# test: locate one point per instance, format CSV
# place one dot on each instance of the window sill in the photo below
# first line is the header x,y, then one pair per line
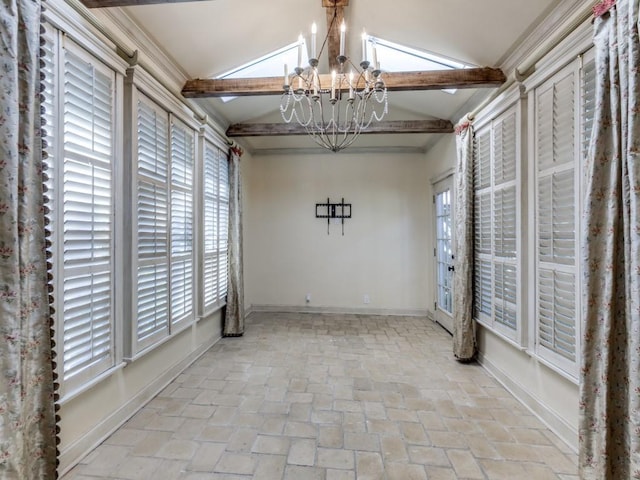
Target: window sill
x,y
69,396
182,326
573,378
502,336
211,310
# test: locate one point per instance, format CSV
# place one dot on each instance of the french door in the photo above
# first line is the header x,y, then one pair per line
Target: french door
x,y
443,254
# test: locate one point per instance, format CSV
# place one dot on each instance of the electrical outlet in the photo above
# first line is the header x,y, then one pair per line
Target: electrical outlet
x,y
307,298
366,298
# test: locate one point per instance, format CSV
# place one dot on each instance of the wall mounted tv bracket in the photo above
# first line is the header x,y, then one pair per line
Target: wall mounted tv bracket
x,y
333,210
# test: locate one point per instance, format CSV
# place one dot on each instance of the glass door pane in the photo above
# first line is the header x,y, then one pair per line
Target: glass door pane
x,y
444,256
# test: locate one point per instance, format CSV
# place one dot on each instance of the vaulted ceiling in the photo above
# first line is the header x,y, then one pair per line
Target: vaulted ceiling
x,y
207,38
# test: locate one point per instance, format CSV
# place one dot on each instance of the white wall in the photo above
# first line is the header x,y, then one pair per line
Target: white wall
x,y
552,397
383,252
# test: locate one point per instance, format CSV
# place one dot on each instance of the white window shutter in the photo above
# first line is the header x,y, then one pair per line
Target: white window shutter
x,y
153,308
505,282
211,220
482,225
557,146
556,193
152,205
504,222
556,312
504,145
587,111
152,219
588,102
482,164
482,215
87,218
495,223
482,288
216,225
182,163
223,229
564,121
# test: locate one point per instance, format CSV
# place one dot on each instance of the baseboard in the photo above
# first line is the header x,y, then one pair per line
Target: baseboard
x,y
547,416
337,310
76,451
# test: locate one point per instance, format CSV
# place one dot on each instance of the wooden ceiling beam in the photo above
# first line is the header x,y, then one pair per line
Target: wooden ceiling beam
x,y
397,81
392,126
128,3
335,17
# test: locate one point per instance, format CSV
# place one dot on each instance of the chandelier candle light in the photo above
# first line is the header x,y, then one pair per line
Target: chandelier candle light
x,y
334,116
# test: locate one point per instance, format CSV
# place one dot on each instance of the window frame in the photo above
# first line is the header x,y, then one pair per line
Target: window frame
x,y
141,86
113,68
574,66
222,162
575,49
510,103
64,27
157,336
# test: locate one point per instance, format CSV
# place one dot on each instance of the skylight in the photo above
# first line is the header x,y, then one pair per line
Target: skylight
x,y
394,57
269,65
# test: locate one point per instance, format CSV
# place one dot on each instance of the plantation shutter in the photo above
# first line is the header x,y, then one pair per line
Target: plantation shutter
x,y
587,106
152,223
482,165
223,227
556,201
211,224
504,202
556,299
87,217
182,162
504,140
505,294
482,224
504,220
482,288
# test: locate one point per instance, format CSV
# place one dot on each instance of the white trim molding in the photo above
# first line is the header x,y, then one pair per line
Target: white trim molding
x,y
563,19
338,310
546,415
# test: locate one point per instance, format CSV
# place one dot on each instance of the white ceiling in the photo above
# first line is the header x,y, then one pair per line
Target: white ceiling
x,y
206,38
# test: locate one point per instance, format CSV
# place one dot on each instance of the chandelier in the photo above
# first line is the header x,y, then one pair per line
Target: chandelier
x,y
335,111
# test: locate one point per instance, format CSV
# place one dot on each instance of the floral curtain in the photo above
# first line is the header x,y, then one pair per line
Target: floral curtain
x,y
464,337
234,316
27,416
610,384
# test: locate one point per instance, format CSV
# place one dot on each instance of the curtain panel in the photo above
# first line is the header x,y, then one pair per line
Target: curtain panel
x,y
234,312
27,394
610,380
464,336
